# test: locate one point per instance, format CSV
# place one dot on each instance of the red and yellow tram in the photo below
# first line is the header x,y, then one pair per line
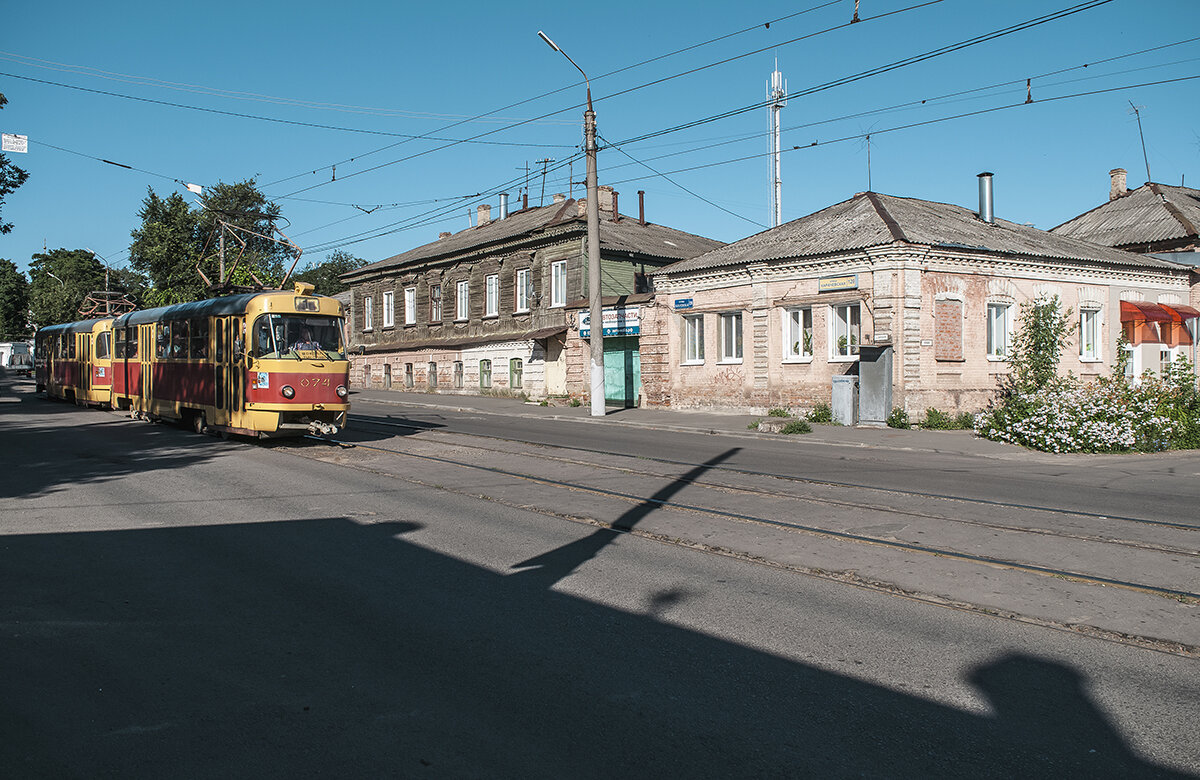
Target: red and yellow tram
x,y
73,361
258,364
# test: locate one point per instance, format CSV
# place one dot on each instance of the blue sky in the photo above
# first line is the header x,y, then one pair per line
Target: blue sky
x,y
375,72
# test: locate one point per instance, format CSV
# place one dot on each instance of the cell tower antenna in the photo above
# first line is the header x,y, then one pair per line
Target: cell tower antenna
x,y
777,94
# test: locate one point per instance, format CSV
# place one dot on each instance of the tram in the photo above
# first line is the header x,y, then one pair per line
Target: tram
x,y
73,361
261,364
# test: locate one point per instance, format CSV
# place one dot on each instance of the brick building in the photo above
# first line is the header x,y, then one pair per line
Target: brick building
x,y
929,291
487,309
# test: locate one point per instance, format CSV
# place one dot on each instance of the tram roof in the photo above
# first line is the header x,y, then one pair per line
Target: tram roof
x,y
230,304
82,326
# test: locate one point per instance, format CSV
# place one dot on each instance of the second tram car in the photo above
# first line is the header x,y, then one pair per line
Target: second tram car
x,y
260,364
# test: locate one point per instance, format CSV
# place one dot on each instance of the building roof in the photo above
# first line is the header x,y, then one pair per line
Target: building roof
x,y
626,235
1151,214
871,219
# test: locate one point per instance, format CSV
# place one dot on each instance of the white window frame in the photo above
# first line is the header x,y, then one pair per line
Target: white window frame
x,y
435,303
851,331
558,283
491,302
731,337
368,313
795,322
1094,355
410,305
692,344
389,309
521,302
462,301
996,351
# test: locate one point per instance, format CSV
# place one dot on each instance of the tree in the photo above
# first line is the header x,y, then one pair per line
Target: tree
x,y
1037,347
325,276
59,281
14,301
165,250
11,177
243,206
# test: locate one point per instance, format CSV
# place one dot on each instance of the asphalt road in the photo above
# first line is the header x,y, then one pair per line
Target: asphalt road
x,y
175,605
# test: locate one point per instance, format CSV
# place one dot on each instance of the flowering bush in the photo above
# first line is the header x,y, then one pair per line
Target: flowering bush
x,y
1109,415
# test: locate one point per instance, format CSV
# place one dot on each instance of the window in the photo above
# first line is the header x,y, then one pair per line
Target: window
x,y
102,346
693,338
731,337
798,334
492,296
435,303
389,309
408,375
485,374
1089,334
410,305
368,314
461,300
558,283
516,369
999,331
458,374
524,289
432,376
844,332
199,339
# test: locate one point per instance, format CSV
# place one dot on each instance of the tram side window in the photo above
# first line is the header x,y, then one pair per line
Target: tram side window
x,y
162,338
131,343
199,339
71,346
103,351
179,339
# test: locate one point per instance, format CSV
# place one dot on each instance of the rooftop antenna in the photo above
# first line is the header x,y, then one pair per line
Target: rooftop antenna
x,y
1137,112
545,161
777,94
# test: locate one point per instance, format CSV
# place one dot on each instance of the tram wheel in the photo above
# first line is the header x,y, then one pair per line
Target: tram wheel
x,y
199,425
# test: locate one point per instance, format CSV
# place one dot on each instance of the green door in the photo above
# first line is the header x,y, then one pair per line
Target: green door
x,y
622,370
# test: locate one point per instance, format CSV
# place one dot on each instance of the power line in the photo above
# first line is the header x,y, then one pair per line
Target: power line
x,y
277,120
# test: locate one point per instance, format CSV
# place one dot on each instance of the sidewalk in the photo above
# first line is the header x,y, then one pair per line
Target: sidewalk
x,y
687,421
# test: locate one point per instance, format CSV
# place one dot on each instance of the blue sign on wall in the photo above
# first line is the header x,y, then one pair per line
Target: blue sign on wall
x,y
683,303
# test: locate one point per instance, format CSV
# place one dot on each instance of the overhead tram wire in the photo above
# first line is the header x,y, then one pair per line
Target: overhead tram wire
x,y
636,88
277,120
913,60
1019,27
858,136
767,25
110,162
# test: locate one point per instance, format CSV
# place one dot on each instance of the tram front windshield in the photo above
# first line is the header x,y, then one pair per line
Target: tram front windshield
x,y
298,336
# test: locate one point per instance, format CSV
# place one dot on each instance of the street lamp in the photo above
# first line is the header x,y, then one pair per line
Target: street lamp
x,y
596,340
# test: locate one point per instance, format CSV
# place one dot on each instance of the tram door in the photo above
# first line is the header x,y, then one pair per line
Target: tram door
x,y
85,364
146,334
229,373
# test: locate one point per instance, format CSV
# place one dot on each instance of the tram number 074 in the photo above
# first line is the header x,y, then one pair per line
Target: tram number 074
x,y
314,381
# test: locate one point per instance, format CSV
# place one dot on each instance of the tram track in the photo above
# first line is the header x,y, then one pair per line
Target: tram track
x,y
1184,595
843,503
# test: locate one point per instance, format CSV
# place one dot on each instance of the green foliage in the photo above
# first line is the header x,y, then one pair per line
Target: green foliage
x,y
796,426
753,425
575,402
964,421
242,205
59,281
14,302
165,250
936,420
821,413
11,177
325,276
1037,347
777,412
898,419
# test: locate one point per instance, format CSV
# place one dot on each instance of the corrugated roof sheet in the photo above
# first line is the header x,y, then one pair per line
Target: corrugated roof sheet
x,y
1151,213
627,235
871,220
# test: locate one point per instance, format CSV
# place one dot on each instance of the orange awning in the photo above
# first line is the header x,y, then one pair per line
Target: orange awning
x,y
1140,311
1180,312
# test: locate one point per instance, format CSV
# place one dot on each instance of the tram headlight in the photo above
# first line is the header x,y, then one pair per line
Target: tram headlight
x,y
342,392
288,391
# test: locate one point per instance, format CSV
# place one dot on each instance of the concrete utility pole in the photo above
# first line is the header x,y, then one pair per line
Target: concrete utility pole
x,y
595,315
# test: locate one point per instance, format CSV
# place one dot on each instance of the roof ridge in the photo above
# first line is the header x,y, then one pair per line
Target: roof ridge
x,y
892,225
1173,210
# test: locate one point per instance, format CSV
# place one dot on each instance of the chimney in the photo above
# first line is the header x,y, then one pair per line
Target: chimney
x,y
642,206
616,209
559,197
1117,188
985,197
443,234
504,205
604,198
485,214
525,201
